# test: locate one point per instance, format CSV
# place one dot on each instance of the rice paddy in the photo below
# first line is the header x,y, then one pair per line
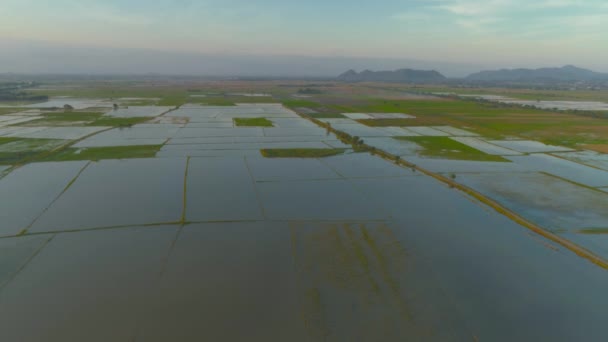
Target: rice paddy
x,y
301,152
158,215
100,153
253,122
447,148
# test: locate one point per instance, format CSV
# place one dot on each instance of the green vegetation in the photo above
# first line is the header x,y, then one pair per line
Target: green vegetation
x,y
301,152
444,147
492,120
100,153
594,231
528,94
577,141
17,150
71,116
431,107
118,122
173,100
64,119
12,158
13,92
10,110
253,122
84,119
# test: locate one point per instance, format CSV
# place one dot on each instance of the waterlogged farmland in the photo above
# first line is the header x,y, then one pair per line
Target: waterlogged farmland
x,y
231,214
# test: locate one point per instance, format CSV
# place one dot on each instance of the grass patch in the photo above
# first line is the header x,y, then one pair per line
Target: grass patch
x,y
171,100
16,150
24,144
11,110
83,119
11,158
488,119
100,153
4,140
594,231
446,148
64,119
575,141
301,152
118,122
71,116
253,122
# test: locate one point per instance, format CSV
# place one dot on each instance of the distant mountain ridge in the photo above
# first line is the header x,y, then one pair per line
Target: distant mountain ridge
x,y
566,73
401,76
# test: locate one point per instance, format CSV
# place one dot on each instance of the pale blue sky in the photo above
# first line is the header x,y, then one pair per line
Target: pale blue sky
x,y
490,32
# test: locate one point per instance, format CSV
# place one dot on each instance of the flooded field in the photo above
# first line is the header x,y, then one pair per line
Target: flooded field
x,y
185,225
134,112
542,104
76,103
526,146
594,159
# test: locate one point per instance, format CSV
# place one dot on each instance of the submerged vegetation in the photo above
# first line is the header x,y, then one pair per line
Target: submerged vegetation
x,y
592,231
100,153
302,152
18,150
118,122
13,92
68,118
253,122
444,147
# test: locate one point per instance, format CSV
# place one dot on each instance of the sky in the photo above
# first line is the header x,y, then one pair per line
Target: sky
x,y
456,35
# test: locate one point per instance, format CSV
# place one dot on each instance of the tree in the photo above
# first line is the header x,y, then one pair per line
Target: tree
x,y
115,107
68,108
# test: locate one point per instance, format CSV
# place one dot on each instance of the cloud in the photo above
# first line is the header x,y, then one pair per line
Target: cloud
x,y
516,18
474,8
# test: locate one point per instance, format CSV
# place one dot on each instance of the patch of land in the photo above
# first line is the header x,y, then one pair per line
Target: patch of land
x,y
301,152
100,153
386,122
356,246
118,122
16,150
253,122
447,148
67,119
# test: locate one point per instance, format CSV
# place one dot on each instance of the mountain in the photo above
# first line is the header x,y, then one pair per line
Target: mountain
x,y
567,73
401,75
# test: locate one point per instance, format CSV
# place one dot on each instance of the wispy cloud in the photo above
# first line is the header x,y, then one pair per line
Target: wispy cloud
x,y
514,17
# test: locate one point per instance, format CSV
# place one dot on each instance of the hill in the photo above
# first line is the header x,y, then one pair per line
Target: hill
x,y
401,76
567,73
